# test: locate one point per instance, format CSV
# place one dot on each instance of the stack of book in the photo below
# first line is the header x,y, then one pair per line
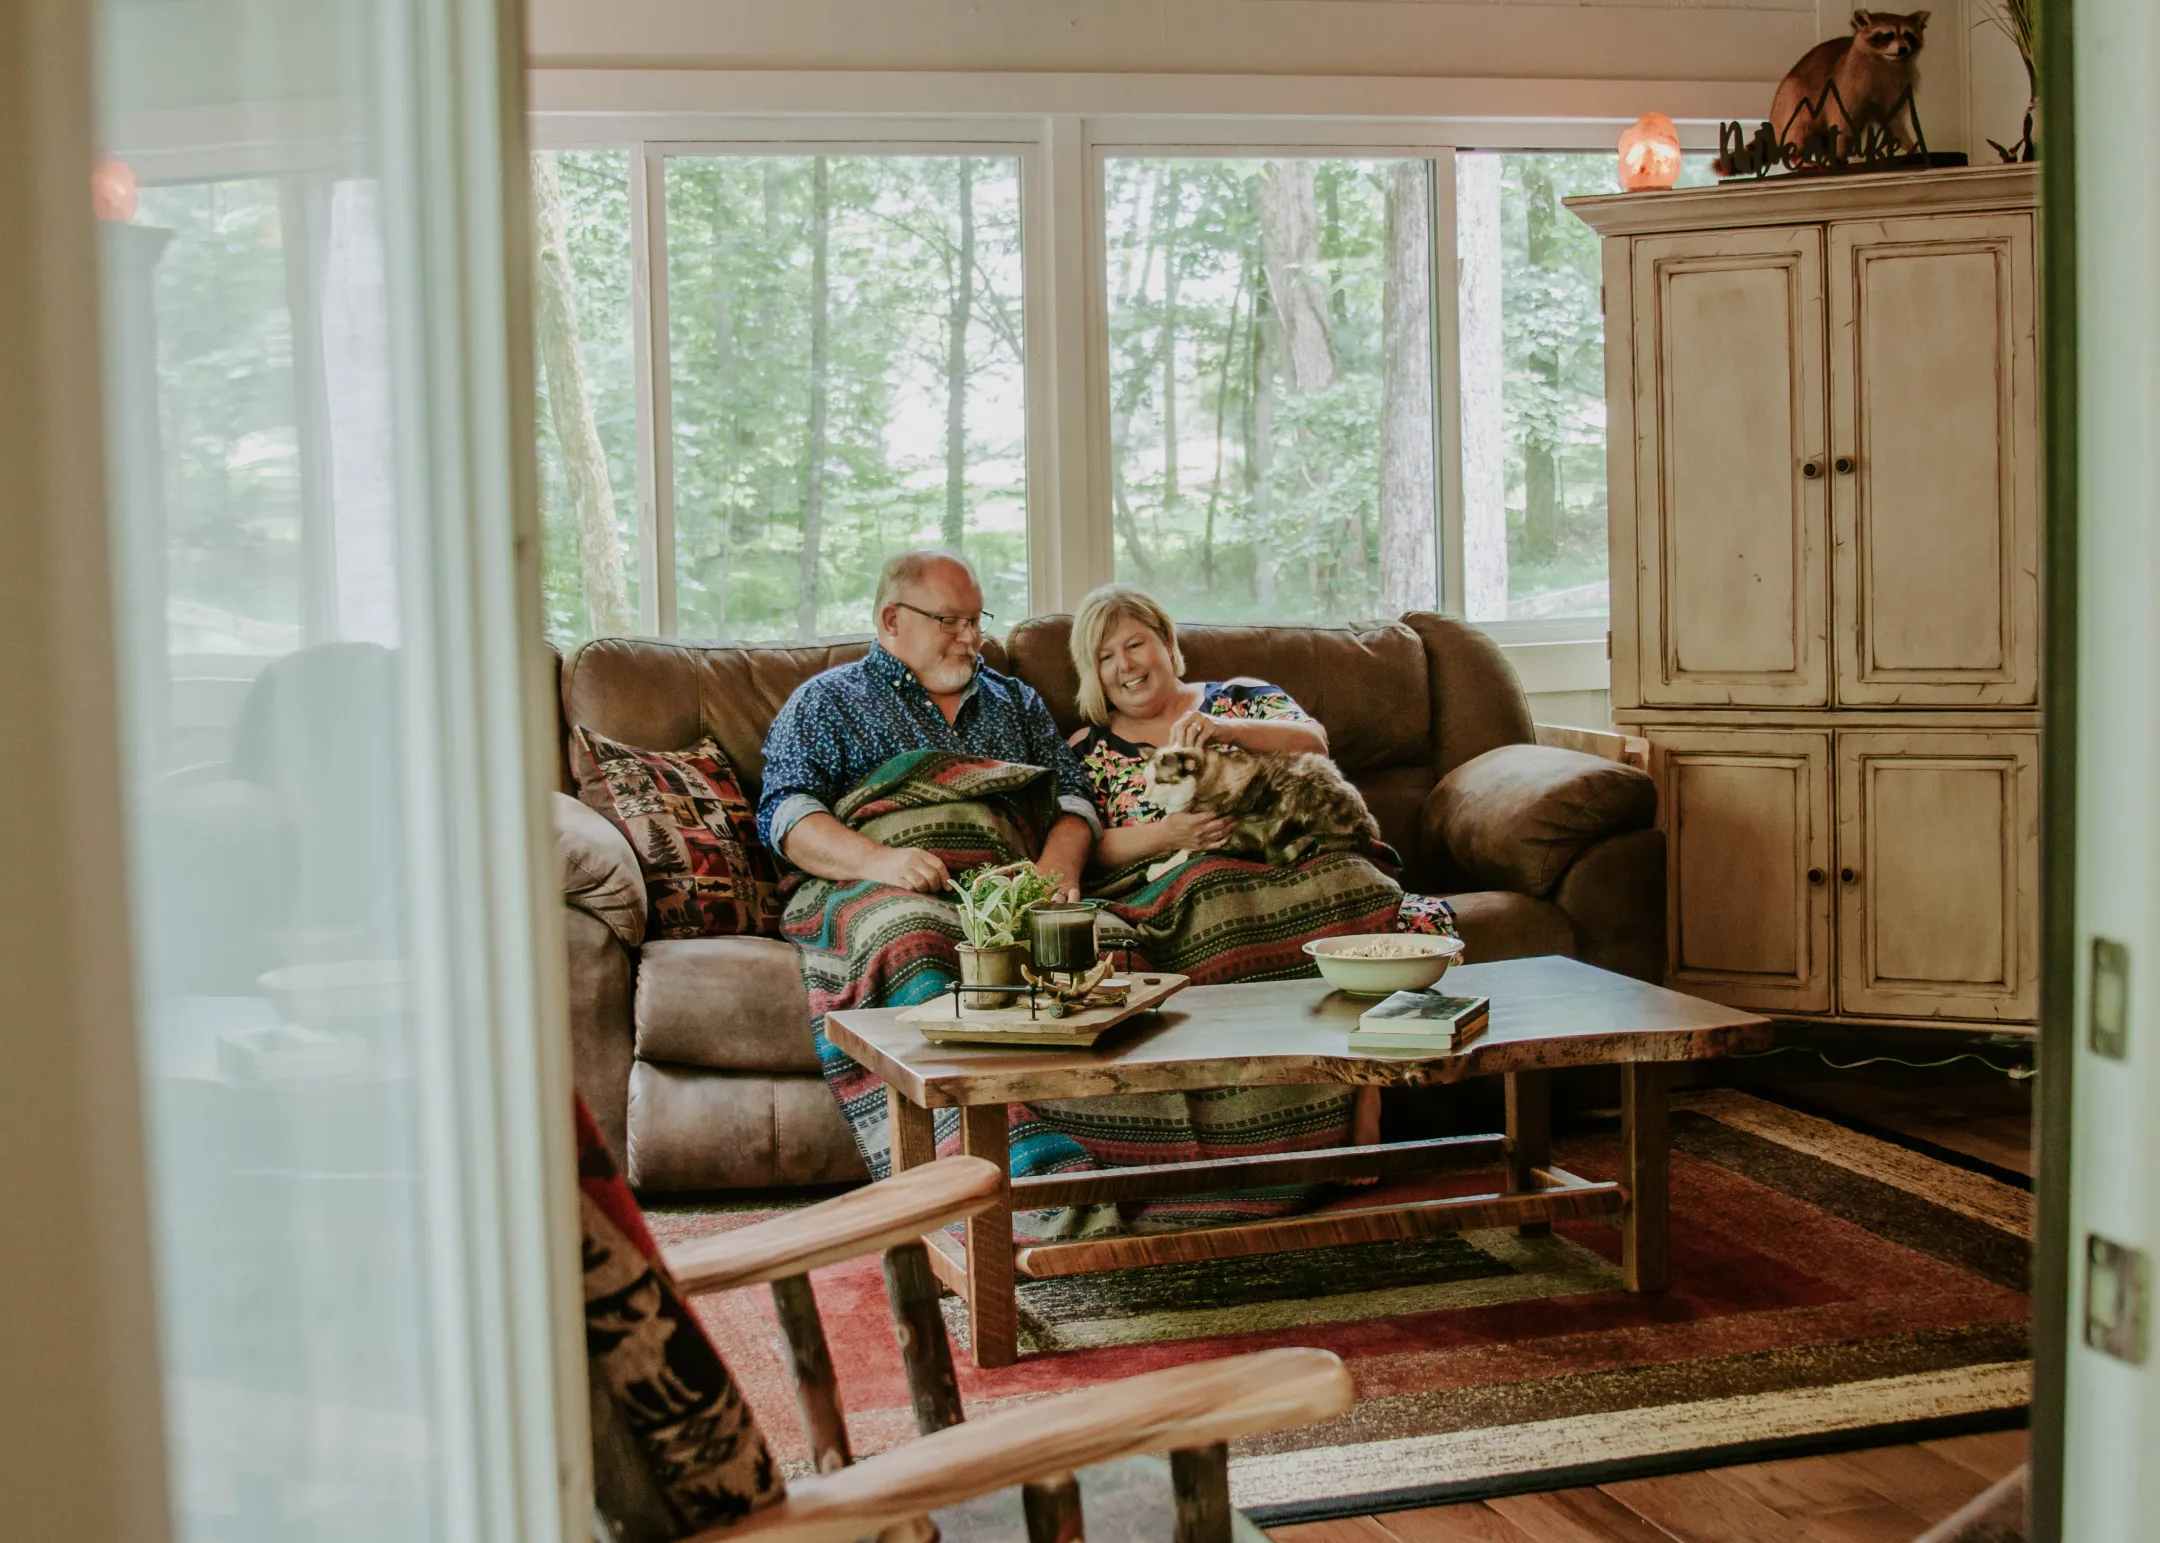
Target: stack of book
x,y
1431,1021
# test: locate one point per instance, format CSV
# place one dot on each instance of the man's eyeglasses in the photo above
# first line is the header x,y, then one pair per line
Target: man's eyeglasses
x,y
953,624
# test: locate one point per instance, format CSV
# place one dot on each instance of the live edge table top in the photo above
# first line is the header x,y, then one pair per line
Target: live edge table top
x,y
1547,1013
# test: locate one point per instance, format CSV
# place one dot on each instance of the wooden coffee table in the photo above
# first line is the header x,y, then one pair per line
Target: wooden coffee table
x,y
1547,1013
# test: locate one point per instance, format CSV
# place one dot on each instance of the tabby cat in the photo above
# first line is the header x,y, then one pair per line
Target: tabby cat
x,y
1282,808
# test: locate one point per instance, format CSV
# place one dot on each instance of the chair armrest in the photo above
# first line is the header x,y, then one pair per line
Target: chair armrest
x,y
1517,817
911,1203
1175,1410
599,872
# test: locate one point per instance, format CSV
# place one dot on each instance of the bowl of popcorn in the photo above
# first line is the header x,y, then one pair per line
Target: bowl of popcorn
x,y
1376,964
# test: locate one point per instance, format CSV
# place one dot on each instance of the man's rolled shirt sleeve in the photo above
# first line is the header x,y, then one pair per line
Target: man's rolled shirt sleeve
x,y
794,787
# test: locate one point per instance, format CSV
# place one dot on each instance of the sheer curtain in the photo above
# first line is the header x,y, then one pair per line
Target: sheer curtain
x,y
350,1046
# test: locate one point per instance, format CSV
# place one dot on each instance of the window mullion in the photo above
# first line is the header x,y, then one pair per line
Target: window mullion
x,y
1447,374
656,458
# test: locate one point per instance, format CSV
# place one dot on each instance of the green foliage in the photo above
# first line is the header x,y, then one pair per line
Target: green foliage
x,y
741,300
596,217
994,902
1275,509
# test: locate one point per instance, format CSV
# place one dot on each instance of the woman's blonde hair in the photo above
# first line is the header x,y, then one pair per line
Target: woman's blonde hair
x,y
1103,609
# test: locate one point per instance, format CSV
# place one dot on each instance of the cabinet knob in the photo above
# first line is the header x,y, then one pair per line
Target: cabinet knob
x,y
1815,875
1844,464
1848,875
1811,468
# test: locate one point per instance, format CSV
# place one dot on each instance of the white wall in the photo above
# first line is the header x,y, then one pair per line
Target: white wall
x,y
1743,40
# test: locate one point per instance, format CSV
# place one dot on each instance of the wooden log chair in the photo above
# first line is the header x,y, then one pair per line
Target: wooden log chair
x,y
677,1455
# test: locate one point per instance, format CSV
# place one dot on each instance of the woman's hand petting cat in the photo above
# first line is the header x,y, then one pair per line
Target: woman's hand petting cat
x,y
1194,730
1190,830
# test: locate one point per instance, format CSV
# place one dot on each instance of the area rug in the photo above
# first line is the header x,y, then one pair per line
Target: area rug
x,y
1829,1288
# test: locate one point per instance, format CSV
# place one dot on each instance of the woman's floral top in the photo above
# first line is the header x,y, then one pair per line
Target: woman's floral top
x,y
1117,768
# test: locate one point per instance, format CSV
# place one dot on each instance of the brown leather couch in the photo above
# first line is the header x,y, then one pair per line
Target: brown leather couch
x,y
696,1056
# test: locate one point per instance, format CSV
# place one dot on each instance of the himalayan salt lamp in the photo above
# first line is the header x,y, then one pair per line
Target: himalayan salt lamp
x,y
112,190
1650,154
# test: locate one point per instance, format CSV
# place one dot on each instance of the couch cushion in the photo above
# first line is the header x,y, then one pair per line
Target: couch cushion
x,y
694,832
1365,684
732,1004
668,695
1518,817
692,1129
1500,924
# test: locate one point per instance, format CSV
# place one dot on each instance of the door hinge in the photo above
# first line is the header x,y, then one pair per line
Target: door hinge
x,y
2118,1285
1608,645
2107,1009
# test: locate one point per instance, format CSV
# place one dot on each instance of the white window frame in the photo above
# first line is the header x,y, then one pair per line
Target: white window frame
x,y
1071,545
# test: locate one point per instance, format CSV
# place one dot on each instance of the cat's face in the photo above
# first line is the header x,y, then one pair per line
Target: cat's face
x,y
1173,777
1888,33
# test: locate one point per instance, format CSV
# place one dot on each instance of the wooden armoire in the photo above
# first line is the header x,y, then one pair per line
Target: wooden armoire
x,y
1822,403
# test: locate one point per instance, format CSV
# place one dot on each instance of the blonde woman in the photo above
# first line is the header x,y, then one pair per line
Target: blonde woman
x,y
1135,699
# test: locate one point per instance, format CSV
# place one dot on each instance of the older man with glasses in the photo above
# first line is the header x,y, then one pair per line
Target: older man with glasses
x,y
923,685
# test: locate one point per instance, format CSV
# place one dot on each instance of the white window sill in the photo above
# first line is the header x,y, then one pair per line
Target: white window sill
x,y
1577,664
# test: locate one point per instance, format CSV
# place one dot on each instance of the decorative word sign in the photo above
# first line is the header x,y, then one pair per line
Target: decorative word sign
x,y
1829,148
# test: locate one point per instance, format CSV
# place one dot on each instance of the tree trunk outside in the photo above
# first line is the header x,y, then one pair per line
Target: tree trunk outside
x,y
1302,338
1541,468
1222,407
1265,341
1407,510
1290,238
592,496
1483,371
813,515
956,370
1169,225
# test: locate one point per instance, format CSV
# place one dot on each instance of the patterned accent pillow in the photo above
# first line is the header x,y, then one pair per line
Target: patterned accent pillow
x,y
694,833
675,1447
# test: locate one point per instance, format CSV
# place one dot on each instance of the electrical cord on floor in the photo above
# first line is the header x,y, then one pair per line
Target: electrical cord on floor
x,y
2014,1073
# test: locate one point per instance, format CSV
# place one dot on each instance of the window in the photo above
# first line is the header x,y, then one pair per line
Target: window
x,y
1313,380
1532,367
588,392
845,365
1271,385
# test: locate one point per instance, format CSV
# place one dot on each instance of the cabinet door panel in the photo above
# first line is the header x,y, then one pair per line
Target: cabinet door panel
x,y
1932,405
1940,834
1746,815
1731,535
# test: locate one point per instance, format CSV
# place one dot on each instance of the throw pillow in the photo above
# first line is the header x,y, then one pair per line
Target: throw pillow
x,y
694,833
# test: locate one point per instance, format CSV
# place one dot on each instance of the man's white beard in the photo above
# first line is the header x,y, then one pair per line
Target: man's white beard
x,y
948,676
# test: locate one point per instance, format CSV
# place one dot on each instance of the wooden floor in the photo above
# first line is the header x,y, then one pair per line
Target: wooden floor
x,y
1884,1495
1963,1108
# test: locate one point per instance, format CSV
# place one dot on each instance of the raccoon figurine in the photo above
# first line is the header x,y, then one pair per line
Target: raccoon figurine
x,y
1283,808
1841,88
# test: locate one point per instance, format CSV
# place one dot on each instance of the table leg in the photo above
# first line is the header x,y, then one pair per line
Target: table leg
x,y
1529,1137
1365,1117
993,1311
1646,1170
914,1137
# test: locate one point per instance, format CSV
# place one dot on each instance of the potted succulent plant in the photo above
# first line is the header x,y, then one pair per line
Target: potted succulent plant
x,y
994,903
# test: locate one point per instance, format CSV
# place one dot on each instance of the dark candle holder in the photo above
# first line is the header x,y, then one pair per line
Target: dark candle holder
x,y
1062,937
1068,968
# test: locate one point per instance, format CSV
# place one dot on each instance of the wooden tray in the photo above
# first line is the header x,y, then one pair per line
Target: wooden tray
x,y
940,1025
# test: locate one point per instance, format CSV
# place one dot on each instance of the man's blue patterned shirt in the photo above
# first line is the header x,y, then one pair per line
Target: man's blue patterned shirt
x,y
838,727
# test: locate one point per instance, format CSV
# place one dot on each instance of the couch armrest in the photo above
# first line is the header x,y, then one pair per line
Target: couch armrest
x,y
1517,817
599,872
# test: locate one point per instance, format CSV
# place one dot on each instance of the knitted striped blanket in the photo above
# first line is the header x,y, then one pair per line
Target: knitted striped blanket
x,y
864,944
